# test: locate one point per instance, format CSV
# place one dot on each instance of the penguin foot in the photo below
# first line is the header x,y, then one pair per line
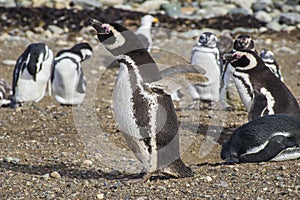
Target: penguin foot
x,y
138,178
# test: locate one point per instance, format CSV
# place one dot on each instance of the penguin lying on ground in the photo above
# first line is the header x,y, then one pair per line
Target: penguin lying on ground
x,y
206,54
269,59
5,93
143,109
31,74
268,94
144,31
68,80
271,137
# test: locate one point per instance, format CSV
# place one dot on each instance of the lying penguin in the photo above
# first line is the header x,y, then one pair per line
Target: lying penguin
x,y
269,138
142,105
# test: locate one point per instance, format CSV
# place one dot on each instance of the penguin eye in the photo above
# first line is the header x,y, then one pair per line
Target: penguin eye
x,y
106,27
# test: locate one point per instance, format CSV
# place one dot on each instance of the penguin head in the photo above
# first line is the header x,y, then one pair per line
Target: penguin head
x,y
84,50
243,42
244,60
208,39
267,55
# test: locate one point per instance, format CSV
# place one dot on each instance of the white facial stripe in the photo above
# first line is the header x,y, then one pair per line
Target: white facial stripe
x,y
120,40
252,64
69,55
285,134
153,108
270,101
86,53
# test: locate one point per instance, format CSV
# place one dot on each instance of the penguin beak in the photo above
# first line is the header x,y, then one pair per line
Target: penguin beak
x,y
100,27
231,56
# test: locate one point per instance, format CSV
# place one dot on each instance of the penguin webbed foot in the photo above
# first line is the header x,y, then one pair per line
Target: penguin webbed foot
x,y
138,178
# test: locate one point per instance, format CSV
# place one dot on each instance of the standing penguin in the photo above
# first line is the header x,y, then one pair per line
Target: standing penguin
x,y
68,80
268,94
143,111
144,31
31,74
272,137
206,54
242,42
268,57
5,93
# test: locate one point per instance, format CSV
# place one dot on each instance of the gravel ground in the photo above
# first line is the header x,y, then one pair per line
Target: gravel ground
x,y
50,151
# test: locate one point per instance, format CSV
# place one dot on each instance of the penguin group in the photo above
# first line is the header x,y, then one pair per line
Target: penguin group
x,y
142,96
37,68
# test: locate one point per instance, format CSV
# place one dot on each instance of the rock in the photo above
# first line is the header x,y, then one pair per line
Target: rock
x,y
55,175
56,30
152,5
100,196
289,18
245,4
46,176
223,184
263,16
262,5
239,11
87,3
87,163
172,9
274,26
11,160
111,2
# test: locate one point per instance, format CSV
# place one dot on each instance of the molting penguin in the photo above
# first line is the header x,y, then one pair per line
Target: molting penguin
x,y
268,57
268,94
144,31
143,111
5,93
271,137
242,42
31,74
206,54
68,80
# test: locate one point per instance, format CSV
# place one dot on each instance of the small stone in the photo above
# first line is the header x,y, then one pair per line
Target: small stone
x,y
87,163
114,173
11,160
55,175
46,176
9,62
208,178
100,196
223,184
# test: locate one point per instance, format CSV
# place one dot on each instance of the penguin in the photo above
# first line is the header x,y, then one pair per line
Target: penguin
x,y
268,138
31,74
5,93
144,31
206,54
268,94
242,42
68,80
269,59
143,110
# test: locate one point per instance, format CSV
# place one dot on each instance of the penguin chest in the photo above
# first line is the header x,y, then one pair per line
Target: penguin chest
x,y
135,110
245,88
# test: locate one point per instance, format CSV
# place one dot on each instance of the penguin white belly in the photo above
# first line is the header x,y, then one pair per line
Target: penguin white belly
x,y
124,115
65,82
246,98
210,89
29,90
288,154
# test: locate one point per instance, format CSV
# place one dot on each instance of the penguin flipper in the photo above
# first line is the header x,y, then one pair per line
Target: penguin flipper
x,y
175,82
259,107
275,145
180,69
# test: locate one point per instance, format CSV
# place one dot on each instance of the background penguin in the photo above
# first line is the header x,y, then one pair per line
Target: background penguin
x,y
242,42
268,94
5,93
206,54
31,73
68,80
272,137
144,31
268,57
143,111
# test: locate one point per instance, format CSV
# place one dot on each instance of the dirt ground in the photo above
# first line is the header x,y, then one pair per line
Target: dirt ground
x,y
84,145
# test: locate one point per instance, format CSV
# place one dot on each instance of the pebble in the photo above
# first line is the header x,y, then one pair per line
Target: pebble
x,y
46,176
9,62
11,160
55,175
100,196
87,163
223,184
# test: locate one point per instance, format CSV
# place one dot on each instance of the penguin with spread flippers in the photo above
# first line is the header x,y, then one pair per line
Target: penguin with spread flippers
x,y
142,105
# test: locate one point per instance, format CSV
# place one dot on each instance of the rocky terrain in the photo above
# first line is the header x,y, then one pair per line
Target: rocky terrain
x,y
49,151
